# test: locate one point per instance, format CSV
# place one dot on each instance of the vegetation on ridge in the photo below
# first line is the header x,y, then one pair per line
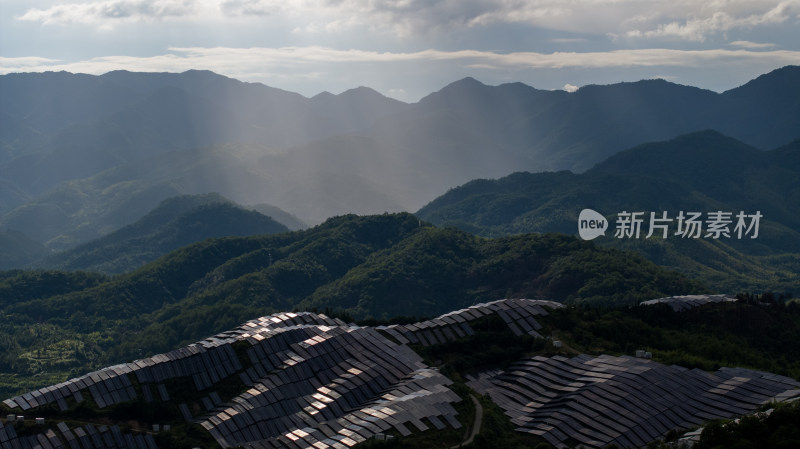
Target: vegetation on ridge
x,y
703,172
375,266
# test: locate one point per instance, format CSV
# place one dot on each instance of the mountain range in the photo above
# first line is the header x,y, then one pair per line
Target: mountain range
x,y
81,155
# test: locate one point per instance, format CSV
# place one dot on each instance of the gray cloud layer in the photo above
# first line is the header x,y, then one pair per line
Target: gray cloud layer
x,y
680,19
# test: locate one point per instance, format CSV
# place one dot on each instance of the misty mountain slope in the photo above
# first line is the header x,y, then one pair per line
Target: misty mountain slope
x,y
351,110
280,215
176,222
79,211
86,209
702,172
595,122
48,102
17,250
778,91
469,130
135,115
302,151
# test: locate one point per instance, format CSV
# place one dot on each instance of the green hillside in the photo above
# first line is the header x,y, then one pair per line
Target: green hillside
x,y
703,172
364,267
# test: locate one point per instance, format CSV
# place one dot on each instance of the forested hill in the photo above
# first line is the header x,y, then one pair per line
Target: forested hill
x,y
374,266
704,172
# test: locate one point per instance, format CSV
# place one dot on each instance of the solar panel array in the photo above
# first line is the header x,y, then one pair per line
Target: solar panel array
x,y
311,381
323,386
597,401
82,437
205,362
680,303
518,314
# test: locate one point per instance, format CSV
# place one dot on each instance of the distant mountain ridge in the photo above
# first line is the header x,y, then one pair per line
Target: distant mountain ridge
x,y
149,136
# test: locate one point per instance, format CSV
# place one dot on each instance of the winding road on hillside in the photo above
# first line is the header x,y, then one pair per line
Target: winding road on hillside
x,y
476,426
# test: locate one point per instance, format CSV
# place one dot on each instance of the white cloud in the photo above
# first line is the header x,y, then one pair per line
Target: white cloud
x,y
683,19
251,7
22,64
570,88
573,40
673,19
720,17
104,12
751,45
248,61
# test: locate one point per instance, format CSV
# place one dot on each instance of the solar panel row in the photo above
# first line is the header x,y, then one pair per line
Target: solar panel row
x,y
597,401
206,362
518,314
316,382
83,437
107,386
341,383
680,303
312,384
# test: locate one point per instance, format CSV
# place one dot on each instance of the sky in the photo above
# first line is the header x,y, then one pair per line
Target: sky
x,y
407,49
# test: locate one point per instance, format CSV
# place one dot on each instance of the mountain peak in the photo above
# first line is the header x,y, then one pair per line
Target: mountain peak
x,y
361,92
700,153
457,91
464,84
324,95
777,82
468,81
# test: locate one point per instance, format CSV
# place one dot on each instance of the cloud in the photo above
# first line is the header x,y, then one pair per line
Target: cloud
x,y
250,7
570,88
103,12
750,45
689,20
244,61
570,40
25,63
720,17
